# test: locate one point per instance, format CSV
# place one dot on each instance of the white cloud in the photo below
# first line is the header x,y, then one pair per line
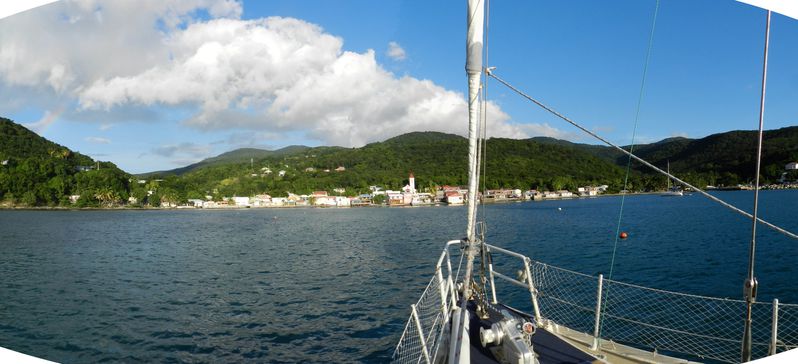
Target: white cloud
x,y
271,76
183,150
98,140
396,52
70,44
535,129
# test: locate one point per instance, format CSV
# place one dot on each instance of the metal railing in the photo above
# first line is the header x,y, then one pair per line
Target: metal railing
x,y
699,327
429,316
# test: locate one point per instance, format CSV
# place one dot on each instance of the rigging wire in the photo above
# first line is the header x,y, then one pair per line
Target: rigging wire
x,y
483,155
749,288
629,160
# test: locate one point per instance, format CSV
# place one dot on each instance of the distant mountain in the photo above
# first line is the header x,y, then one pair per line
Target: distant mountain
x,y
434,158
724,158
439,158
729,157
35,171
422,137
604,152
234,156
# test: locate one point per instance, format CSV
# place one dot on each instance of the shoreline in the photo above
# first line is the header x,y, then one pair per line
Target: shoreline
x,y
148,208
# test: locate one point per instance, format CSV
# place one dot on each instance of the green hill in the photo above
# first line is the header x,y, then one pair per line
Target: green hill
x,y
719,159
35,171
726,158
434,158
234,156
438,159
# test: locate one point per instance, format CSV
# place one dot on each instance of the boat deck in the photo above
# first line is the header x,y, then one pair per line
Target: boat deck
x,y
549,348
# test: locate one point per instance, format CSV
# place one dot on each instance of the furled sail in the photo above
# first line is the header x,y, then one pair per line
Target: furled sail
x,y
784,7
9,8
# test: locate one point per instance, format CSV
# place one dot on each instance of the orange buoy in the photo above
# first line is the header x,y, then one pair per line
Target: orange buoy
x,y
623,235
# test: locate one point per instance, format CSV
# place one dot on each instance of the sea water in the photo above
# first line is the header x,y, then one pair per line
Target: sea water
x,y
335,285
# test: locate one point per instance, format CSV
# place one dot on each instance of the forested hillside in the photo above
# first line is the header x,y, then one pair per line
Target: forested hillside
x,y
719,159
434,158
35,171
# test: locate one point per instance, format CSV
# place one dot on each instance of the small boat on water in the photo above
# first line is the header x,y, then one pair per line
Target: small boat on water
x,y
462,315
672,190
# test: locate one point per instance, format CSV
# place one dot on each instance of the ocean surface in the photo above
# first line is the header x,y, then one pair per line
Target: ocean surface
x,y
334,285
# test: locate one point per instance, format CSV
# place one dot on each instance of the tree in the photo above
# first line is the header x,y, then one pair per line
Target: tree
x,y
154,200
106,196
29,198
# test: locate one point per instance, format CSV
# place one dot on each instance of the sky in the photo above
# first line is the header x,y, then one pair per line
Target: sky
x,y
156,85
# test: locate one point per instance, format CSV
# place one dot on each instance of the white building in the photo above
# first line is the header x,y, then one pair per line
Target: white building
x,y
395,198
241,201
196,202
411,185
261,200
588,191
454,198
325,201
565,194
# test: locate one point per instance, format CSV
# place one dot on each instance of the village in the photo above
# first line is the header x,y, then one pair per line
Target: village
x,y
408,196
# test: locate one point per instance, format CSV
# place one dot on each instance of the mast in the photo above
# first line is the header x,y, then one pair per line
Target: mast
x,y
459,351
476,17
669,178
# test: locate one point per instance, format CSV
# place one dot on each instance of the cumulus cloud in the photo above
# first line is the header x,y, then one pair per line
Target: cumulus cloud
x,y
98,140
271,76
69,44
396,52
283,74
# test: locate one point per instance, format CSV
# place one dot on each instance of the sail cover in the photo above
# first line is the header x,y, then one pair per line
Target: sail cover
x,y
784,7
9,8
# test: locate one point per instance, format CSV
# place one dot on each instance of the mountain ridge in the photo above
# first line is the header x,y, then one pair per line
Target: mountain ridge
x,y
35,171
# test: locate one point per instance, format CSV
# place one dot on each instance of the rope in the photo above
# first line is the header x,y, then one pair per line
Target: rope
x,y
482,153
642,161
629,160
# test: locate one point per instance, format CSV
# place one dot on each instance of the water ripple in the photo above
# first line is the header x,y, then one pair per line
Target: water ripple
x,y
327,285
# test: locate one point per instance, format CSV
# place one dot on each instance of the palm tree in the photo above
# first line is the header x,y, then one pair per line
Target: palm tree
x,y
106,196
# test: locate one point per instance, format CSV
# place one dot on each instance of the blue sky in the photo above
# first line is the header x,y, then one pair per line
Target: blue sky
x,y
158,85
